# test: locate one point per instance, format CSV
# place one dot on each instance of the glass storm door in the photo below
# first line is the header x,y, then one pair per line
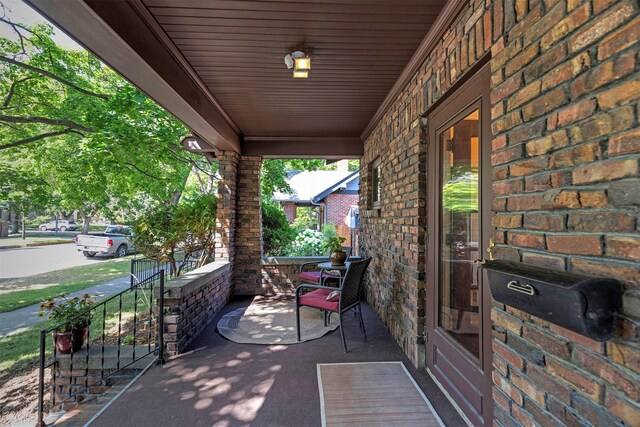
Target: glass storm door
x,y
459,195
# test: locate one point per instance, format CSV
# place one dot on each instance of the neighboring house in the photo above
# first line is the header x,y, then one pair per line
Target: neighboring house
x,y
332,192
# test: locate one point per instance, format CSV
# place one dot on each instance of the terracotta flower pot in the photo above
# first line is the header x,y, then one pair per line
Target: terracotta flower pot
x,y
338,258
71,341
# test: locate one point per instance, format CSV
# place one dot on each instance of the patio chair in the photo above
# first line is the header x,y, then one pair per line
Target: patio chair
x,y
347,299
310,274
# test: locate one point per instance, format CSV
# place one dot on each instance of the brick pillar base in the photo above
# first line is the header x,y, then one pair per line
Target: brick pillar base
x,y
247,269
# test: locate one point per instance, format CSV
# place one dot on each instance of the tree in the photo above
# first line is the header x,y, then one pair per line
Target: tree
x,y
97,142
186,230
277,234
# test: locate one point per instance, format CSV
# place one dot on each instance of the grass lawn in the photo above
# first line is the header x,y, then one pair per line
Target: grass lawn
x,y
15,240
21,351
25,291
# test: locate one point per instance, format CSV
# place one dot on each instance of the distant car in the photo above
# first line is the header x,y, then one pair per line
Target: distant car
x,y
116,240
63,225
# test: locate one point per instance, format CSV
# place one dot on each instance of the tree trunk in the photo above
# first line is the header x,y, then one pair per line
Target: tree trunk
x,y
13,228
24,231
175,199
87,217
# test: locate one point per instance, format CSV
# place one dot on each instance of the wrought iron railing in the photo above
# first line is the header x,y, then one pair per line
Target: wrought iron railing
x,y
123,331
143,268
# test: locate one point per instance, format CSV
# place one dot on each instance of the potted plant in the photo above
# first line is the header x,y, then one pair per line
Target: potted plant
x,y
338,256
72,317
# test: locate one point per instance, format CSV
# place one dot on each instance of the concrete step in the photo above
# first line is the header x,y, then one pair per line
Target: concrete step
x,y
82,413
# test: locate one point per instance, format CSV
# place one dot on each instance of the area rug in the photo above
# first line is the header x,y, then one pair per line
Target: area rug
x,y
372,394
272,320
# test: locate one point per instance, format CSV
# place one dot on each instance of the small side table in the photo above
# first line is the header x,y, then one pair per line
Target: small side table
x,y
327,266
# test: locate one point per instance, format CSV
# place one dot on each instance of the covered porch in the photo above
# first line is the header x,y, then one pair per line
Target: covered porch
x,y
219,382
533,103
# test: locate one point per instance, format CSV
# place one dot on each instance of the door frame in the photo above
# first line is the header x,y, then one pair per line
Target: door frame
x,y
475,92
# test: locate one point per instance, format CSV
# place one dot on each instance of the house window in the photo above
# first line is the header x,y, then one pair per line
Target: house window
x,y
376,185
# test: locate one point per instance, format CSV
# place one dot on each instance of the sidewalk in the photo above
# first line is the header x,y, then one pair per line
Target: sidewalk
x,y
18,320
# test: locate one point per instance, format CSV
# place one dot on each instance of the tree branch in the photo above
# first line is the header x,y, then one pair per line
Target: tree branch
x,y
12,90
143,172
37,138
52,76
45,120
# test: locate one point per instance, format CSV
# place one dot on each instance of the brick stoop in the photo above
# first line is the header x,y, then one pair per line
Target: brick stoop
x,y
84,375
83,412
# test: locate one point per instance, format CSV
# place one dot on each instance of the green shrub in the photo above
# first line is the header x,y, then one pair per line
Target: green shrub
x,y
35,222
305,219
277,235
161,232
308,243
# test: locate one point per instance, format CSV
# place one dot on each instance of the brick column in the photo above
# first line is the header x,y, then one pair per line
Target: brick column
x,y
290,211
247,269
226,215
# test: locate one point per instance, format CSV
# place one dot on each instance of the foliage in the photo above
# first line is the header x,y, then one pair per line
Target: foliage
x,y
162,232
308,243
329,232
330,238
334,244
273,178
69,313
305,219
277,234
37,220
460,194
76,136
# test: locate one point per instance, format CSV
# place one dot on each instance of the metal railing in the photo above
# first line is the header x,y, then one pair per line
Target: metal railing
x,y
123,330
143,268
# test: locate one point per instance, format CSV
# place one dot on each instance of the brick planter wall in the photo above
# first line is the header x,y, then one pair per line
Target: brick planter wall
x,y
566,183
281,275
192,302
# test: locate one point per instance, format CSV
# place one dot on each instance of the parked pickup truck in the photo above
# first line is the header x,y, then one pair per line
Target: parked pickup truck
x,y
116,240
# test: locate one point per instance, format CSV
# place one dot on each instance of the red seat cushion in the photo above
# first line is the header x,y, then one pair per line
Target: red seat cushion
x,y
314,276
318,299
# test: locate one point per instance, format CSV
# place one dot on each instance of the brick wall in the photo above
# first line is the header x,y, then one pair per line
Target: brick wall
x,y
395,234
281,275
247,276
192,301
566,188
289,209
338,207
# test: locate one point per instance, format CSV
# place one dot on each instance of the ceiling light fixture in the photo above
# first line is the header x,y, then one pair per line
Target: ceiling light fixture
x,y
300,62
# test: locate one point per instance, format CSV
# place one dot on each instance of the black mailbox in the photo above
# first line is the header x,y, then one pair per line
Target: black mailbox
x,y
586,305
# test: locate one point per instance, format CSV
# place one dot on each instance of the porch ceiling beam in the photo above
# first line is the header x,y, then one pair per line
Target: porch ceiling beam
x,y
119,34
303,147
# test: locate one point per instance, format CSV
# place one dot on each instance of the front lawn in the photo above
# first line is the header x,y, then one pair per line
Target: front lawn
x,y
20,351
25,291
15,240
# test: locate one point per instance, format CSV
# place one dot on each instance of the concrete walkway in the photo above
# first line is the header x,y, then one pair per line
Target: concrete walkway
x,y
19,320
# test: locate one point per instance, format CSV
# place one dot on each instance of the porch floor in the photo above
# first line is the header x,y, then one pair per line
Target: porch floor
x,y
222,383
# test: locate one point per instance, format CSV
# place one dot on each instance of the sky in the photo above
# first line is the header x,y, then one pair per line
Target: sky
x,y
18,11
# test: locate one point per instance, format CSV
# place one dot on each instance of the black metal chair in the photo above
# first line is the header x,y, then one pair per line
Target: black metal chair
x,y
349,298
310,274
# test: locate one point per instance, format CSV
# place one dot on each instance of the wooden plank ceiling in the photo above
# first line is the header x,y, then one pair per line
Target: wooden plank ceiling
x,y
237,48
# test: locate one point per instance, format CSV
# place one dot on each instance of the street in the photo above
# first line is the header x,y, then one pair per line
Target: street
x,y
23,262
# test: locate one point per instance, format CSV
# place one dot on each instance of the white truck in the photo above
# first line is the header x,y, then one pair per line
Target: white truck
x,y
116,240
